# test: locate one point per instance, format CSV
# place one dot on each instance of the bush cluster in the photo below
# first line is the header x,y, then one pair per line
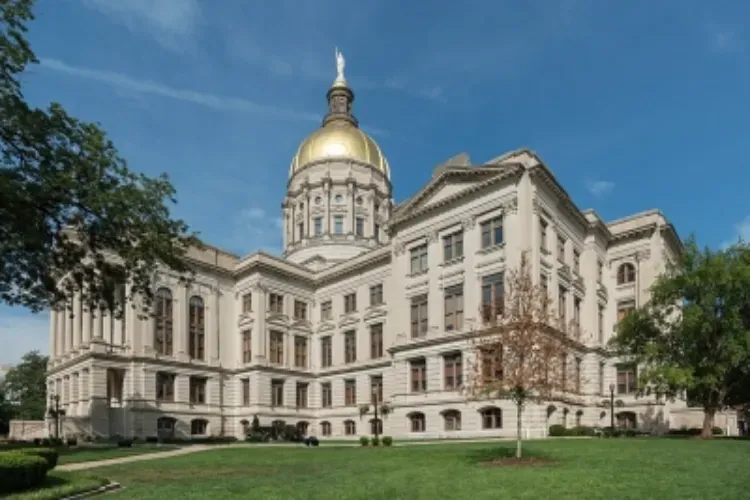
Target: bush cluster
x,y
559,430
694,431
364,441
387,440
25,468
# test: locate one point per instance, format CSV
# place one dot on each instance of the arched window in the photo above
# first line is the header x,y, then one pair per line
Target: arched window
x,y
199,427
417,421
452,420
165,427
626,420
163,322
350,427
376,426
325,428
625,274
302,427
197,328
492,418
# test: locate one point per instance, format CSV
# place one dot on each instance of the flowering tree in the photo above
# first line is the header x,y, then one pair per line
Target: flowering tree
x,y
522,354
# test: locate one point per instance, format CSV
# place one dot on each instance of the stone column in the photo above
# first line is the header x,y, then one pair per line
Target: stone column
x,y
86,330
259,335
351,193
107,326
77,316
306,214
370,232
53,333
181,324
60,331
326,208
68,325
97,314
212,328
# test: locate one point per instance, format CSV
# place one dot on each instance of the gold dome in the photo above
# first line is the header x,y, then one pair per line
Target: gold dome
x,y
339,140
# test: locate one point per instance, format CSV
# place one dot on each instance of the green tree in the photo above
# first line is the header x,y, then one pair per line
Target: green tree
x,y
693,336
69,205
6,410
26,387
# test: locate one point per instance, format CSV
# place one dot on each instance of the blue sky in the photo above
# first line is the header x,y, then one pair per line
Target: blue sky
x,y
632,106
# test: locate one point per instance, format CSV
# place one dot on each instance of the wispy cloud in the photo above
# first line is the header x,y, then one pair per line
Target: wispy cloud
x,y
600,188
170,22
21,332
213,101
741,232
257,229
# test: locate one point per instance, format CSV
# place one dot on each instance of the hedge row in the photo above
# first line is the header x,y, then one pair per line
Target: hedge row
x,y
25,468
559,430
694,431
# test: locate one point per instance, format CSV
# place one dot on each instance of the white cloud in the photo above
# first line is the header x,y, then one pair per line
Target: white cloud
x,y
600,188
171,22
221,103
21,333
255,230
741,232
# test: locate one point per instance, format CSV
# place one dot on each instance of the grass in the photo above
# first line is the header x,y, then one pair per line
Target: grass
x,y
61,484
596,468
92,453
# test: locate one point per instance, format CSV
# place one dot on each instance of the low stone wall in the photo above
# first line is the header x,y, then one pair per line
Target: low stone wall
x,y
27,430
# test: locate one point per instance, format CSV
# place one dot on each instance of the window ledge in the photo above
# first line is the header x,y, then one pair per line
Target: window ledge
x,y
418,273
491,249
455,260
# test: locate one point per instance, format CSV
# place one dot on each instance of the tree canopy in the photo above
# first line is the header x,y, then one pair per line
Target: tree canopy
x,y
25,387
69,205
693,335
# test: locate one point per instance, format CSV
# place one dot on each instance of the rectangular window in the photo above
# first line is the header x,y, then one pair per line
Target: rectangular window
x,y
359,225
419,316
350,392
277,393
247,352
376,341
578,376
564,362
376,388
165,387
245,392
453,246
326,352
560,248
338,224
301,395
326,310
418,375
577,311
300,230
627,382
492,232
377,232
493,302
452,372
350,302
318,226
599,271
276,348
624,308
350,346
300,351
247,303
492,364
326,396
418,259
276,303
198,390
600,324
562,306
601,378
576,261
544,285
300,310
376,295
542,234
454,307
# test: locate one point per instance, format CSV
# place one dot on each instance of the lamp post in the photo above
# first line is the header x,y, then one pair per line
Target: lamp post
x,y
612,406
55,412
376,402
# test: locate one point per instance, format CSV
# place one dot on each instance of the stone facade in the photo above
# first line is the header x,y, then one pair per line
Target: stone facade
x,y
358,303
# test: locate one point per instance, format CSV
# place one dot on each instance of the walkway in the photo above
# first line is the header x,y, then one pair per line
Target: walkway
x,y
205,447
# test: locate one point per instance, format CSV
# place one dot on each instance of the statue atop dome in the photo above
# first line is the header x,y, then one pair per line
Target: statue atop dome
x,y
340,65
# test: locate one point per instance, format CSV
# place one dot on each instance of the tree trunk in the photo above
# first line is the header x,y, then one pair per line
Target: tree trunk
x,y
708,422
519,410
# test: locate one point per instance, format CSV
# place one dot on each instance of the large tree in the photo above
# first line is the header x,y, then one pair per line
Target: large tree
x,y
69,205
25,387
693,335
522,351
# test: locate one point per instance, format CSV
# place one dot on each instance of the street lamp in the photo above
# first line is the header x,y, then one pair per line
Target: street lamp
x,y
612,406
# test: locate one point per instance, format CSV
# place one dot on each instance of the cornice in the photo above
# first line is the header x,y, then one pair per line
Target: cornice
x,y
541,172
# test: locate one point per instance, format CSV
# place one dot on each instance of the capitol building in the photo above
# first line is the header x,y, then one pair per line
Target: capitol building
x,y
369,299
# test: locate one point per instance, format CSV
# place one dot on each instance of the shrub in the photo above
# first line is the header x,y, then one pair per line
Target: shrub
x,y
49,455
125,443
582,431
54,442
37,442
375,441
254,438
71,441
387,440
557,430
311,441
21,471
717,431
152,439
630,433
364,441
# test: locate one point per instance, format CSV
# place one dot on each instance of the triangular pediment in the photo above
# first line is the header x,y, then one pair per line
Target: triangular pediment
x,y
452,184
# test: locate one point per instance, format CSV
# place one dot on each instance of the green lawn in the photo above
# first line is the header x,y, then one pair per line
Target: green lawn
x,y
588,469
90,454
61,484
